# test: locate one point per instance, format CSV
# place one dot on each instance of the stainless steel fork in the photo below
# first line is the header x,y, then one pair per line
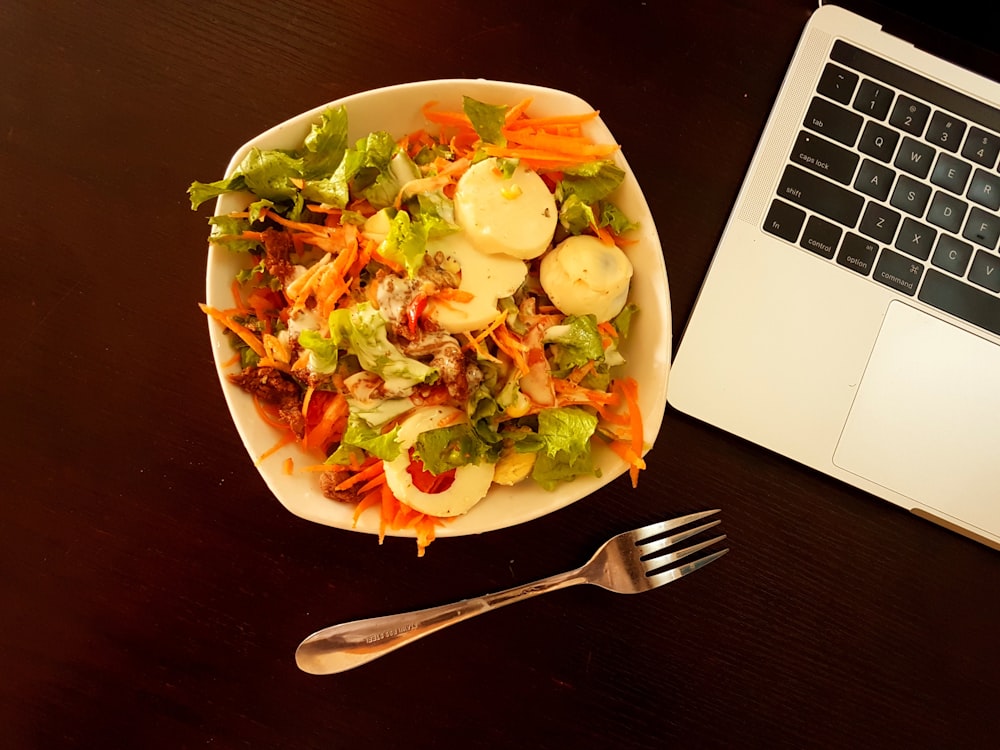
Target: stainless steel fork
x,y
631,562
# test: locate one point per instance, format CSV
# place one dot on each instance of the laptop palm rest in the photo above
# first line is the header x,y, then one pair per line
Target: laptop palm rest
x,y
926,419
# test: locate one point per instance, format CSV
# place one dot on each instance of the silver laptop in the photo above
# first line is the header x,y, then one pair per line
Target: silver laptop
x,y
850,318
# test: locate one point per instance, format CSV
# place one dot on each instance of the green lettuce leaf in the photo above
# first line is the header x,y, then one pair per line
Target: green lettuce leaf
x,y
406,243
323,352
226,232
199,192
360,436
487,119
325,145
575,342
623,320
562,443
269,174
612,216
453,446
378,169
592,182
576,216
363,329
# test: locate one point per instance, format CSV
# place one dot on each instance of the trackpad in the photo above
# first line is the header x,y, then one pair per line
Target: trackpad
x,y
926,420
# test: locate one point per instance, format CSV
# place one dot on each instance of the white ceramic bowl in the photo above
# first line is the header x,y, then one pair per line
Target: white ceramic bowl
x,y
397,109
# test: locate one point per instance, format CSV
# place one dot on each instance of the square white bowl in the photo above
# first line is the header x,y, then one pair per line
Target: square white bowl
x,y
397,109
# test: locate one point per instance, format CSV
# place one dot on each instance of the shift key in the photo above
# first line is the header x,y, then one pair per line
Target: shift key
x,y
820,196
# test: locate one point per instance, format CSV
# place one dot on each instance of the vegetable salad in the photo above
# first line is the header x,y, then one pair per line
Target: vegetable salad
x,y
429,315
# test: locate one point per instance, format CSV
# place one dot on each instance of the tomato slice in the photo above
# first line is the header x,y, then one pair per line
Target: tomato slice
x,y
424,481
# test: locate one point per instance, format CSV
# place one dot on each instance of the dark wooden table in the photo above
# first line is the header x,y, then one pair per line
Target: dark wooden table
x,y
152,591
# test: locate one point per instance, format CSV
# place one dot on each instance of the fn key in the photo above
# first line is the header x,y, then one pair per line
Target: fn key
x,y
784,220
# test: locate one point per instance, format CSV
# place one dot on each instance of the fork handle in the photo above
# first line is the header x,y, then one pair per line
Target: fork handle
x,y
351,644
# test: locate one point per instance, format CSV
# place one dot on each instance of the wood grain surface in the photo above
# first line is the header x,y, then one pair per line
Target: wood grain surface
x,y
152,591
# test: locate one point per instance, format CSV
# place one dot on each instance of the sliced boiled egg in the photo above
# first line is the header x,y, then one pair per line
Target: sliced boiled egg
x,y
486,278
583,275
515,215
470,484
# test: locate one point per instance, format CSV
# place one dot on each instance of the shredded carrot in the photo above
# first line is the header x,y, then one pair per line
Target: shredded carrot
x,y
306,399
288,437
448,294
268,416
568,392
475,342
289,466
372,498
629,390
540,142
331,424
391,264
580,373
554,121
629,456
511,346
372,484
607,329
517,112
372,471
565,145
237,295
225,317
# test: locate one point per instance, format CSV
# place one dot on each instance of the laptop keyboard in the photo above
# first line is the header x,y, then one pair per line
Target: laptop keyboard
x,y
894,176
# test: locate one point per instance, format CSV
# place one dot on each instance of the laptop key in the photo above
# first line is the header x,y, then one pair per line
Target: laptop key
x,y
952,254
879,141
985,189
983,228
951,173
947,211
915,239
961,300
857,253
945,131
834,122
821,237
784,220
910,115
879,222
981,147
874,180
910,195
837,83
914,157
824,157
874,99
985,271
820,196
898,271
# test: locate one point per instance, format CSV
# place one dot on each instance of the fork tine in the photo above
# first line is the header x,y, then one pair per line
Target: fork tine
x,y
657,563
655,529
672,574
648,550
